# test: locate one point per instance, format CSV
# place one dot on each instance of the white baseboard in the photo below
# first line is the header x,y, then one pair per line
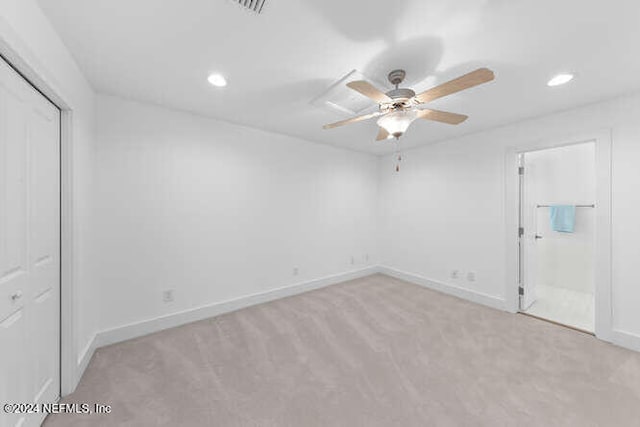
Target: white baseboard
x,y
466,294
625,339
84,358
138,329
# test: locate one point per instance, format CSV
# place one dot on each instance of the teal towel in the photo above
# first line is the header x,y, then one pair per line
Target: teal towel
x,y
563,218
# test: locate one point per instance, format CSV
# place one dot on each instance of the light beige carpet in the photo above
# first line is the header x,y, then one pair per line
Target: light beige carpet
x,y
369,352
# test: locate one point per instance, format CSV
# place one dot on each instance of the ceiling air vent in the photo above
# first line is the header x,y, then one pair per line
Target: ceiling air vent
x,y
346,101
253,5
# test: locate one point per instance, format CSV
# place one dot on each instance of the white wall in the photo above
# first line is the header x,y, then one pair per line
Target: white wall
x,y
445,209
217,211
28,40
564,175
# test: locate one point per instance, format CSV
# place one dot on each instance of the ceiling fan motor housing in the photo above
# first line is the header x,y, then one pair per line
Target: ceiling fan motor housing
x,y
401,94
401,100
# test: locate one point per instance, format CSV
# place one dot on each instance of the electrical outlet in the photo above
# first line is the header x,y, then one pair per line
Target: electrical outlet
x,y
353,260
295,271
471,276
455,274
167,296
366,257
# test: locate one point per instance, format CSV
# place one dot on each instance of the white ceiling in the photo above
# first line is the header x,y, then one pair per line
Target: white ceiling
x,y
162,51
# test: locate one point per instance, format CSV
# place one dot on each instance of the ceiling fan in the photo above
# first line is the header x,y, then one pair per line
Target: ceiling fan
x,y
399,107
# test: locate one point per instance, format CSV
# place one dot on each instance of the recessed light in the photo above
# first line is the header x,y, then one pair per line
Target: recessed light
x,y
217,80
560,79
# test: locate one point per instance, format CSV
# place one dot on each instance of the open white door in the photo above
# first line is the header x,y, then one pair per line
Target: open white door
x,y
528,239
29,248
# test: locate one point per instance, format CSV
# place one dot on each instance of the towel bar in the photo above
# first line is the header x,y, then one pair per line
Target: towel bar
x,y
577,206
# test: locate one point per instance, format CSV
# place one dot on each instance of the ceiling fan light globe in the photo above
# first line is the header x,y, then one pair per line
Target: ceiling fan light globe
x,y
396,123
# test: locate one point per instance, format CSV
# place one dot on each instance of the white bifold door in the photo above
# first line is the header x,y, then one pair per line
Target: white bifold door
x,y
29,248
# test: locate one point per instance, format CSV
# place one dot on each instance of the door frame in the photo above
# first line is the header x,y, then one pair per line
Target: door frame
x,y
19,57
602,268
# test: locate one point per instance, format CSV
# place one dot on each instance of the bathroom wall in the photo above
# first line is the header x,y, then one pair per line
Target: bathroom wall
x,y
564,175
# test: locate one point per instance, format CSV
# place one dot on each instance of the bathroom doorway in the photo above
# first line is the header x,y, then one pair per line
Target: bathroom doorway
x,y
557,234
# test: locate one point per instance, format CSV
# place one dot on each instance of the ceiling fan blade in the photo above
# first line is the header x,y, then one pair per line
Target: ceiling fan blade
x,y
351,120
474,78
382,134
368,90
442,116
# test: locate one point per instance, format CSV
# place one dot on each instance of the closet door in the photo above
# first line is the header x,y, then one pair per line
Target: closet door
x,y
29,248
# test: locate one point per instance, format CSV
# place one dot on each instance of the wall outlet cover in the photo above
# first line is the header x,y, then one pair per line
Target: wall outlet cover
x,y
167,296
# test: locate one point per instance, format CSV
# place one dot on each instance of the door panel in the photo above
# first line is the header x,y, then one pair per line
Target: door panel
x,y
29,247
529,240
14,389
44,196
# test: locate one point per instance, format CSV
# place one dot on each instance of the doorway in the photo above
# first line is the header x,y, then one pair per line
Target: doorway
x,y
557,234
29,246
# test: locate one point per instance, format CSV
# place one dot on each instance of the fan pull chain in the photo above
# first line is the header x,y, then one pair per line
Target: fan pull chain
x,y
398,158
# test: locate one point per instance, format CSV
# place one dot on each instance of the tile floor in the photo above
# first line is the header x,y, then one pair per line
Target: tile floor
x,y
572,308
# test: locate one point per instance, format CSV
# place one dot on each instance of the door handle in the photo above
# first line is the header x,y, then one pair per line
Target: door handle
x,y
15,297
538,237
